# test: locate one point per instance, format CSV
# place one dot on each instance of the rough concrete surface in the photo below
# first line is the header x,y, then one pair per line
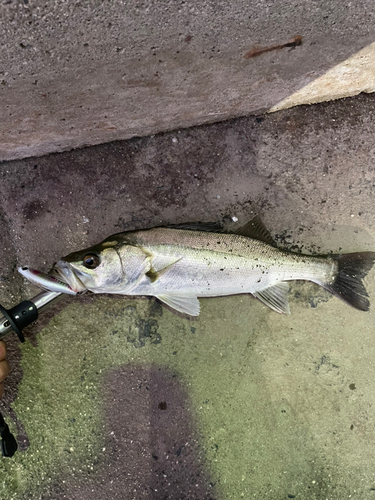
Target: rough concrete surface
x,y
124,398
78,73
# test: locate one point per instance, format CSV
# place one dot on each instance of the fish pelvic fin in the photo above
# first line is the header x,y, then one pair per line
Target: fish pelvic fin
x,y
348,284
188,304
275,297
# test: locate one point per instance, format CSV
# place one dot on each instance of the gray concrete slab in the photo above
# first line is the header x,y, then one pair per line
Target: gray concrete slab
x,y
80,73
241,402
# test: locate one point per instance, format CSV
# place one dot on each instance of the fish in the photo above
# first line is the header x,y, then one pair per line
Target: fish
x,y
45,281
180,264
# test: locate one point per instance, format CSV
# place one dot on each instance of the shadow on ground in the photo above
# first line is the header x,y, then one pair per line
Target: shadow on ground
x,y
150,444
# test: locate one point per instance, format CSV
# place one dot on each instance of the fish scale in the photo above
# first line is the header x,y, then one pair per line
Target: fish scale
x,y
235,265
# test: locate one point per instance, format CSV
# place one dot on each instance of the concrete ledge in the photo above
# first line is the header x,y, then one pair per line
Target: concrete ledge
x,y
76,74
349,78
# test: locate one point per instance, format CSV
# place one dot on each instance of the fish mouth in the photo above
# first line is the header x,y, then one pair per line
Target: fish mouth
x,y
64,272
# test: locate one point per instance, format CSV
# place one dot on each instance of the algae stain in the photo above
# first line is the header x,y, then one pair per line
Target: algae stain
x,y
251,446
218,357
59,399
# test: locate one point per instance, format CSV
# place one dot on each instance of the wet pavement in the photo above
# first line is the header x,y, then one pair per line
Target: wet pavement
x,y
125,398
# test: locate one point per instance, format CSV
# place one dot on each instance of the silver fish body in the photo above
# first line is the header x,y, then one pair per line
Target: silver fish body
x,y
216,264
178,266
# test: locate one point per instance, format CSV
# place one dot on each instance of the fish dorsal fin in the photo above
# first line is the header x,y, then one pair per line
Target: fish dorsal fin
x,y
209,227
255,229
188,304
275,297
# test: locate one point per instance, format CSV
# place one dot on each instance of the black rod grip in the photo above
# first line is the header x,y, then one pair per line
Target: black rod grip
x,y
20,316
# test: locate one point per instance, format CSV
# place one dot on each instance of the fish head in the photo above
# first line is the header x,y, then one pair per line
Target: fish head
x,y
98,269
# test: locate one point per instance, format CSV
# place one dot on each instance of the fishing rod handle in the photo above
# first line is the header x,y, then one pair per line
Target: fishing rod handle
x,y
25,313
16,319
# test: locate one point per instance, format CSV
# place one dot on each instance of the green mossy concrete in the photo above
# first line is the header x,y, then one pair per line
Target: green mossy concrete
x,y
272,396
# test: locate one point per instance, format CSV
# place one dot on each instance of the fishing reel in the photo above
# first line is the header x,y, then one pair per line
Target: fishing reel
x,y
16,319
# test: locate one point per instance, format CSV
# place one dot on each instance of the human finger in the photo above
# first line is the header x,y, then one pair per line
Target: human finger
x,y
3,350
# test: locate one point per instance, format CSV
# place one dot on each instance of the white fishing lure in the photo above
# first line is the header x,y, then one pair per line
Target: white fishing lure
x,y
45,281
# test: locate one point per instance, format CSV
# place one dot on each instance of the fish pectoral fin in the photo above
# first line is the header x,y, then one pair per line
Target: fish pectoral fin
x,y
153,275
275,297
188,304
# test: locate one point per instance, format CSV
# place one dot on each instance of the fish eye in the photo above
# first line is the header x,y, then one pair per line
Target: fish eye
x,y
91,261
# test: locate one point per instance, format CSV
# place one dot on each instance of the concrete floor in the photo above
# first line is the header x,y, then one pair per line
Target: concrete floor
x,y
126,399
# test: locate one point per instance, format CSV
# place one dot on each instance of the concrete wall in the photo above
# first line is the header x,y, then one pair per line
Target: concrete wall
x,y
83,73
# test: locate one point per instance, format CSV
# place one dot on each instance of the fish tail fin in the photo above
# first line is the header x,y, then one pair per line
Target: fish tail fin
x,y
348,284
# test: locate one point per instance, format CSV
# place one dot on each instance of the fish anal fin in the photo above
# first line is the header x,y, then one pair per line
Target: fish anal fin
x,y
188,304
255,229
275,297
